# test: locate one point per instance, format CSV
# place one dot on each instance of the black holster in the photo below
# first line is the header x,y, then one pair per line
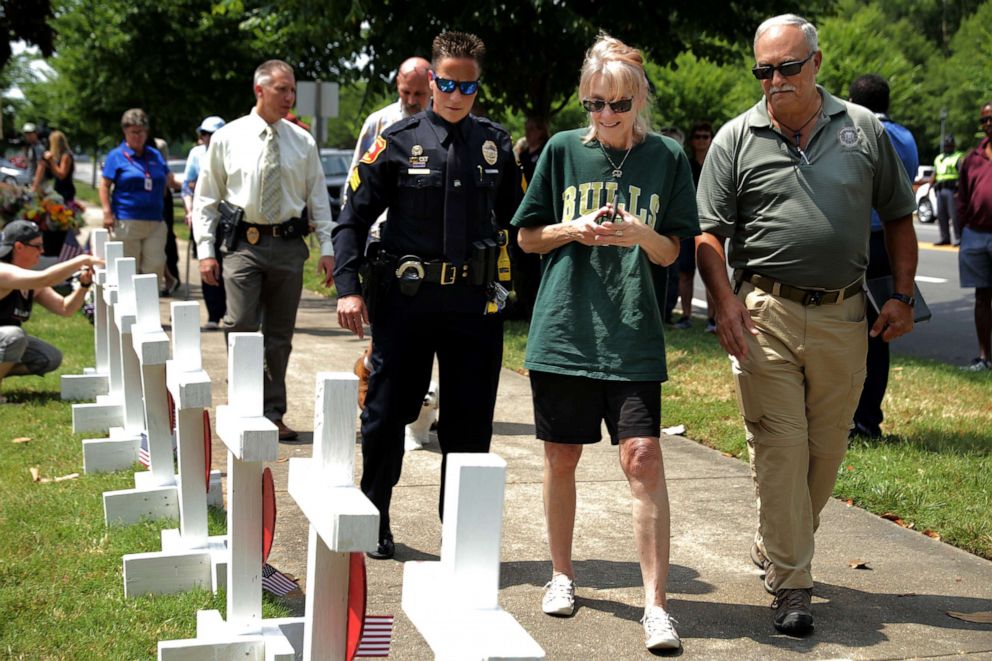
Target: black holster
x,y
376,275
229,225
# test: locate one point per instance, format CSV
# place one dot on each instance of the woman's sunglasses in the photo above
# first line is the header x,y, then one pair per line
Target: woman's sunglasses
x,y
446,85
597,105
787,69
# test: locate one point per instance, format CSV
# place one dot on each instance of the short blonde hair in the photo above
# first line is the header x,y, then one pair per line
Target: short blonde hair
x,y
622,67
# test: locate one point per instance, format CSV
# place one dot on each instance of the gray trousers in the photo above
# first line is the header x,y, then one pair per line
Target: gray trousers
x,y
29,354
263,284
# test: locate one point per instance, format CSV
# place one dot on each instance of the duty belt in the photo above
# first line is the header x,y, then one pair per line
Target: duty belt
x,y
438,272
797,294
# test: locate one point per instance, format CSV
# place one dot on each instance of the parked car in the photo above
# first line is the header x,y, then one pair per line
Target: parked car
x,y
926,197
336,163
178,168
13,174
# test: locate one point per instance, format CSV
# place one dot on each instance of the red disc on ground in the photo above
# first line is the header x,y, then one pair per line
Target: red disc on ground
x,y
357,593
268,513
208,453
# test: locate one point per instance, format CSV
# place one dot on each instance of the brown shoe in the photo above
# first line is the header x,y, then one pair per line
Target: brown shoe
x,y
285,433
362,372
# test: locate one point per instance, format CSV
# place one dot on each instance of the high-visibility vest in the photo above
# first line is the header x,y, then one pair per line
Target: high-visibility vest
x,y
946,166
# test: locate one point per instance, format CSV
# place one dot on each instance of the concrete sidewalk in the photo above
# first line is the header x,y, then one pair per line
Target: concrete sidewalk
x,y
894,610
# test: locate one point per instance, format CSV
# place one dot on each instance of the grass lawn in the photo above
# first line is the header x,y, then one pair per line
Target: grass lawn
x,y
933,469
61,579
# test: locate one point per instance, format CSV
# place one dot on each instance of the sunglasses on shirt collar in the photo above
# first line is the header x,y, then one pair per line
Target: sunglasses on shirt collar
x,y
766,71
446,85
597,105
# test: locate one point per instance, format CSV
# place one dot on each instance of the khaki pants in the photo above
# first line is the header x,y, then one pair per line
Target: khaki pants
x,y
145,241
798,389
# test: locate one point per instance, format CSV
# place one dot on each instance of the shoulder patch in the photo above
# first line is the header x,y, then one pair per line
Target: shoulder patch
x,y
377,148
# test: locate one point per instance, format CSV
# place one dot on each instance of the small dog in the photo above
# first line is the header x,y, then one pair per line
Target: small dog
x,y
418,432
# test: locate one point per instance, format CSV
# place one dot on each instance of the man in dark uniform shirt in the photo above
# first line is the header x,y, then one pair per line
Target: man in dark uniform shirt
x,y
450,182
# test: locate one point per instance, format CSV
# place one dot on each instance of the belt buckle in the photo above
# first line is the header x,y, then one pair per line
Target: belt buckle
x,y
813,297
449,273
276,230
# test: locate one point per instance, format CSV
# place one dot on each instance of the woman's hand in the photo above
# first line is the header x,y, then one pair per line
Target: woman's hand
x,y
586,229
626,231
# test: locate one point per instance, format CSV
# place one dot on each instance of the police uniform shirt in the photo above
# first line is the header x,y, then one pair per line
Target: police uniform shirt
x,y
404,171
232,170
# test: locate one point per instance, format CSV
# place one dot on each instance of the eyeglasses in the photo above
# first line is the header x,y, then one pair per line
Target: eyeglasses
x,y
985,120
37,246
446,85
766,71
618,106
701,136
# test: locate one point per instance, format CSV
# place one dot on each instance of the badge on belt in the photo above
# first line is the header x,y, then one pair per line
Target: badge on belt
x,y
252,235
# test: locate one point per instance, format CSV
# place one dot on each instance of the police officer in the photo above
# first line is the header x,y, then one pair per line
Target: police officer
x,y
450,182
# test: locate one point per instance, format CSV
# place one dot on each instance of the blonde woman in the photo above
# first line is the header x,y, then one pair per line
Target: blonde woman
x,y
607,205
60,166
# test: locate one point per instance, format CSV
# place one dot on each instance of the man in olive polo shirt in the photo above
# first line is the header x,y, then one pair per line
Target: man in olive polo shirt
x,y
791,184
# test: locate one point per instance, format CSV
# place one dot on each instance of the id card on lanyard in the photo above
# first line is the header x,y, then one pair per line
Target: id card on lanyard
x,y
144,168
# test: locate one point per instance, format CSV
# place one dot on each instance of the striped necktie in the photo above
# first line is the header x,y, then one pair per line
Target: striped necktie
x,y
271,188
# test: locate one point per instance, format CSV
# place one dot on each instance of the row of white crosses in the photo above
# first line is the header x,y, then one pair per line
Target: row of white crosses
x,y
452,602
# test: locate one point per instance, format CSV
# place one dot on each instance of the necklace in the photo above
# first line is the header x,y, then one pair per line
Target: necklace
x,y
617,169
797,134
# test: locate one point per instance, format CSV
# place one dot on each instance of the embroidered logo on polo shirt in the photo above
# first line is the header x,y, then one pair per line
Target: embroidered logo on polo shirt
x,y
848,137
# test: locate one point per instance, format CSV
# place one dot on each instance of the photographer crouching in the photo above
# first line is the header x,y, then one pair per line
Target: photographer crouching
x,y
20,286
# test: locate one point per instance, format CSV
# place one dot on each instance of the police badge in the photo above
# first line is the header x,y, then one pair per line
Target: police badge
x,y
490,152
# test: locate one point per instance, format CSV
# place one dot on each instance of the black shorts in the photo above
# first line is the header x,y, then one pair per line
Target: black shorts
x,y
687,255
571,409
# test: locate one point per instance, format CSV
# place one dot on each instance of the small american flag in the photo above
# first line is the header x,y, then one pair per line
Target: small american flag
x,y
71,247
377,633
143,457
276,582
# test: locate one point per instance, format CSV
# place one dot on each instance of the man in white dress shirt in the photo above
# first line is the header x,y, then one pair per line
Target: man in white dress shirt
x,y
270,169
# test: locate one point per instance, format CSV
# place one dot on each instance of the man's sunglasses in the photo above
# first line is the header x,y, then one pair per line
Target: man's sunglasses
x,y
700,136
597,105
37,246
985,120
766,71
446,85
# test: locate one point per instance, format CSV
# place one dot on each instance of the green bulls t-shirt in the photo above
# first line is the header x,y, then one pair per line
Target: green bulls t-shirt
x,y
597,312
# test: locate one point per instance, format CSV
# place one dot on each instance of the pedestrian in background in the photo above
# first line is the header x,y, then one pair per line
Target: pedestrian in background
x,y
132,192
975,257
263,174
872,92
213,295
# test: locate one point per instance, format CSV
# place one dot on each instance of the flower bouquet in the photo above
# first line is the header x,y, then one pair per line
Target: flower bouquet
x,y
53,215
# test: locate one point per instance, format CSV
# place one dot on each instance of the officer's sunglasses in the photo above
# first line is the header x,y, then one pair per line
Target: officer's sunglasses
x,y
597,105
766,71
446,85
985,120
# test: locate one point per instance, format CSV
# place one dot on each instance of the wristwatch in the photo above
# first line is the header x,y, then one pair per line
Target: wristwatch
x,y
908,300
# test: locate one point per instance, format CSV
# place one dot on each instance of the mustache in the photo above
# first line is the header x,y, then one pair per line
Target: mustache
x,y
781,88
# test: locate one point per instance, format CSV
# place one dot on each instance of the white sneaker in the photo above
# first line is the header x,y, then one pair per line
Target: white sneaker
x,y
559,596
659,630
211,326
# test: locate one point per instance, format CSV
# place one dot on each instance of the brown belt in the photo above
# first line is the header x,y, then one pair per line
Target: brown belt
x,y
797,294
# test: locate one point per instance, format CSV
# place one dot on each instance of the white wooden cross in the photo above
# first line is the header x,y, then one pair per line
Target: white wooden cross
x,y
251,440
342,519
144,352
189,557
454,602
108,410
94,381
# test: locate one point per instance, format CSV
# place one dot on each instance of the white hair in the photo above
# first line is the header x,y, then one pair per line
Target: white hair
x,y
264,72
809,30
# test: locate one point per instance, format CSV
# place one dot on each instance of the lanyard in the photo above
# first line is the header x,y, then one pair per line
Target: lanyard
x,y
144,161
